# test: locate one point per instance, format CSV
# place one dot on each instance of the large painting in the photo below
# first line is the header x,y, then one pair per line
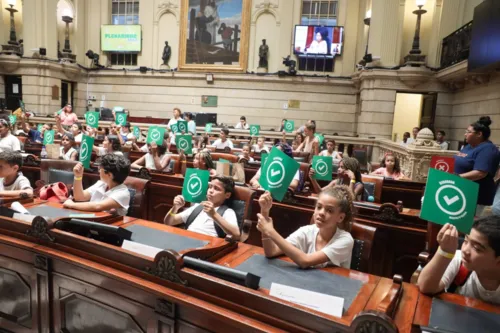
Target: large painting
x,y
214,35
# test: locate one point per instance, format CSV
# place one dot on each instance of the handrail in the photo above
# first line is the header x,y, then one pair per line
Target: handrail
x,y
456,46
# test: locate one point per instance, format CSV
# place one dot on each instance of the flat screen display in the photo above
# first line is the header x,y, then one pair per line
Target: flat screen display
x,y
318,40
121,38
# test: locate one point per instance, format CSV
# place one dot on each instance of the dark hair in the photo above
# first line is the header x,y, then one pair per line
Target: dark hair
x,y
79,125
443,133
483,126
301,137
285,147
117,165
397,167
12,158
416,128
127,125
228,184
406,133
50,126
284,119
331,140
161,149
350,163
243,118
225,131
115,143
207,158
489,226
69,136
189,115
4,120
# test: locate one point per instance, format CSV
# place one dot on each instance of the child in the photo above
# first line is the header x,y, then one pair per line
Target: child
x,y
157,159
12,181
326,242
75,130
472,272
67,152
389,168
8,142
110,145
295,145
223,141
259,147
109,193
245,154
330,146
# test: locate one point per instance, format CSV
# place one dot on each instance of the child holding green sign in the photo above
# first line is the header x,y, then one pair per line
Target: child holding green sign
x,y
67,152
327,242
472,272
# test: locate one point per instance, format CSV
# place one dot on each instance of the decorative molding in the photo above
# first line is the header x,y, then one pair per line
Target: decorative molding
x,y
42,262
167,7
167,266
266,6
39,229
165,308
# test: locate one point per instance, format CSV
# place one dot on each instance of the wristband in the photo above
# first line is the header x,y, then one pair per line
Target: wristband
x,y
78,178
171,213
266,238
445,254
353,181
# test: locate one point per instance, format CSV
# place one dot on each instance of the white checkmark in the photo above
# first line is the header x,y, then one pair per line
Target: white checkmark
x,y
275,172
452,200
321,167
193,186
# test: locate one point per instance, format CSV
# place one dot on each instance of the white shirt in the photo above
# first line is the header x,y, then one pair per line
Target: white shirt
x,y
10,143
150,162
318,47
101,151
119,193
144,149
472,287
21,183
296,177
239,126
66,156
444,145
192,127
338,249
335,155
221,145
257,149
250,158
78,138
204,224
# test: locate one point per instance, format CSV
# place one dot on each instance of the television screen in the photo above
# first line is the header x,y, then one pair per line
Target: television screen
x,y
121,38
318,40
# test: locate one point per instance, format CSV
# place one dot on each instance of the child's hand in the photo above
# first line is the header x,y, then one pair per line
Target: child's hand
x,y
448,238
311,172
208,208
350,174
265,202
78,170
153,148
68,203
179,202
265,225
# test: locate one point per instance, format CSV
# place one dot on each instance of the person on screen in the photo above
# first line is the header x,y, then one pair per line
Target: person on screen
x,y
473,271
109,193
320,44
12,181
327,242
215,218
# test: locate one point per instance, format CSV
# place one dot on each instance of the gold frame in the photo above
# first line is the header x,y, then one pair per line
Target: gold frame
x,y
244,43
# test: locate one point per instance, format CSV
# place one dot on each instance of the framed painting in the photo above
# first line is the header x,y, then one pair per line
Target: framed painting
x,y
214,35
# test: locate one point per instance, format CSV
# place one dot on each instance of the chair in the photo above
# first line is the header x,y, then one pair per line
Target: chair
x,y
242,206
373,186
138,191
52,171
303,175
361,154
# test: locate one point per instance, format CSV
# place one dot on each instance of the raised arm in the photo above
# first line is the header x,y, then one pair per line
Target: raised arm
x,y
78,193
172,218
140,163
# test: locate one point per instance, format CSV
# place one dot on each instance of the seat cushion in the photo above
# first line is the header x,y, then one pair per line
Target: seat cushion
x,y
131,209
239,208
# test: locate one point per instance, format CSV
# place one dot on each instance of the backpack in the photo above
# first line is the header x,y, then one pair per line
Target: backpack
x,y
460,279
198,209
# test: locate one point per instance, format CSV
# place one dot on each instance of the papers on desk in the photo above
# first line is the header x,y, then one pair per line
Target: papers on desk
x,y
145,250
330,305
19,208
24,217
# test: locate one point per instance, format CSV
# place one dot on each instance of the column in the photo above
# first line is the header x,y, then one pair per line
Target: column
x,y
42,30
386,32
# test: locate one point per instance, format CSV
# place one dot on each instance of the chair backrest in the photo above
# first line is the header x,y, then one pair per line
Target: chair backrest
x,y
52,171
242,206
361,154
304,174
106,114
373,185
138,191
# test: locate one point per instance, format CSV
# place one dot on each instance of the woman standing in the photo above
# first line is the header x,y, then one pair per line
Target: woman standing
x,y
478,161
67,116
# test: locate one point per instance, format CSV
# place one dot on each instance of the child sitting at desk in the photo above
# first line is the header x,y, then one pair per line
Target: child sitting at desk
x,y
211,217
67,152
390,168
156,159
223,140
323,243
108,193
260,146
110,145
472,272
12,181
245,154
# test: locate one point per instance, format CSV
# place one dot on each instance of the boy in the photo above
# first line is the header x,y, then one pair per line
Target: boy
x,y
223,141
472,272
242,124
33,134
109,193
188,116
440,137
210,217
260,146
12,181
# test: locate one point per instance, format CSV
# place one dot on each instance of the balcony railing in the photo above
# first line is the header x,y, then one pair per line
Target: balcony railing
x,y
456,46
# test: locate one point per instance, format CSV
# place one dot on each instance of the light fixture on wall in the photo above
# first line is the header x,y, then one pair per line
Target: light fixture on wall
x,y
367,57
67,18
415,57
210,78
95,59
12,10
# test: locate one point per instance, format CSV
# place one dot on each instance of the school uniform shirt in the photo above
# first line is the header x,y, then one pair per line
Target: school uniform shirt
x,y
444,145
335,155
296,177
66,156
338,250
78,138
10,143
144,149
484,157
204,224
250,158
472,287
150,162
257,149
383,172
221,145
127,138
35,136
192,127
21,183
238,126
99,192
101,151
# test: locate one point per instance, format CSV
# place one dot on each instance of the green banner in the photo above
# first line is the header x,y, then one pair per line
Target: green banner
x,y
156,134
86,150
185,143
121,118
320,137
289,126
322,166
195,185
92,119
182,126
137,132
208,128
277,173
450,199
12,119
48,137
39,127
174,128
254,130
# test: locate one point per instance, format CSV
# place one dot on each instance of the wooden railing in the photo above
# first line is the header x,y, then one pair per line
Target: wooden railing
x,y
456,46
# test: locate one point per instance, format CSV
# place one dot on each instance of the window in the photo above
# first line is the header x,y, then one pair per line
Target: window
x,y
124,12
319,12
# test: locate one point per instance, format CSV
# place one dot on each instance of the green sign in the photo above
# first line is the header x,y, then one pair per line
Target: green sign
x,y
92,119
59,112
263,158
320,137
195,185
322,166
450,199
39,127
156,134
254,130
121,118
208,128
277,173
12,119
21,105
48,137
289,126
184,142
174,128
182,126
86,150
137,132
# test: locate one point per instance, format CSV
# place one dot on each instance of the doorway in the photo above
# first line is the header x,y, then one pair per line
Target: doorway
x,y
413,110
13,91
67,90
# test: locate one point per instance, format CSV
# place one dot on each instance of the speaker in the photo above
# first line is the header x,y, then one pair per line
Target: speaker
x,y
43,51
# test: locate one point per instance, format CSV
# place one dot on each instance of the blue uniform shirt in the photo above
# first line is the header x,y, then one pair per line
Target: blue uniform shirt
x,y
35,136
483,157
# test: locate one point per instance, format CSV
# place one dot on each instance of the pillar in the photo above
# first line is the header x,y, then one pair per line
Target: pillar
x,y
42,30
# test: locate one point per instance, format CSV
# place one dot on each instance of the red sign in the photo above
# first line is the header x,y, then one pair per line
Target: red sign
x,y
446,164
